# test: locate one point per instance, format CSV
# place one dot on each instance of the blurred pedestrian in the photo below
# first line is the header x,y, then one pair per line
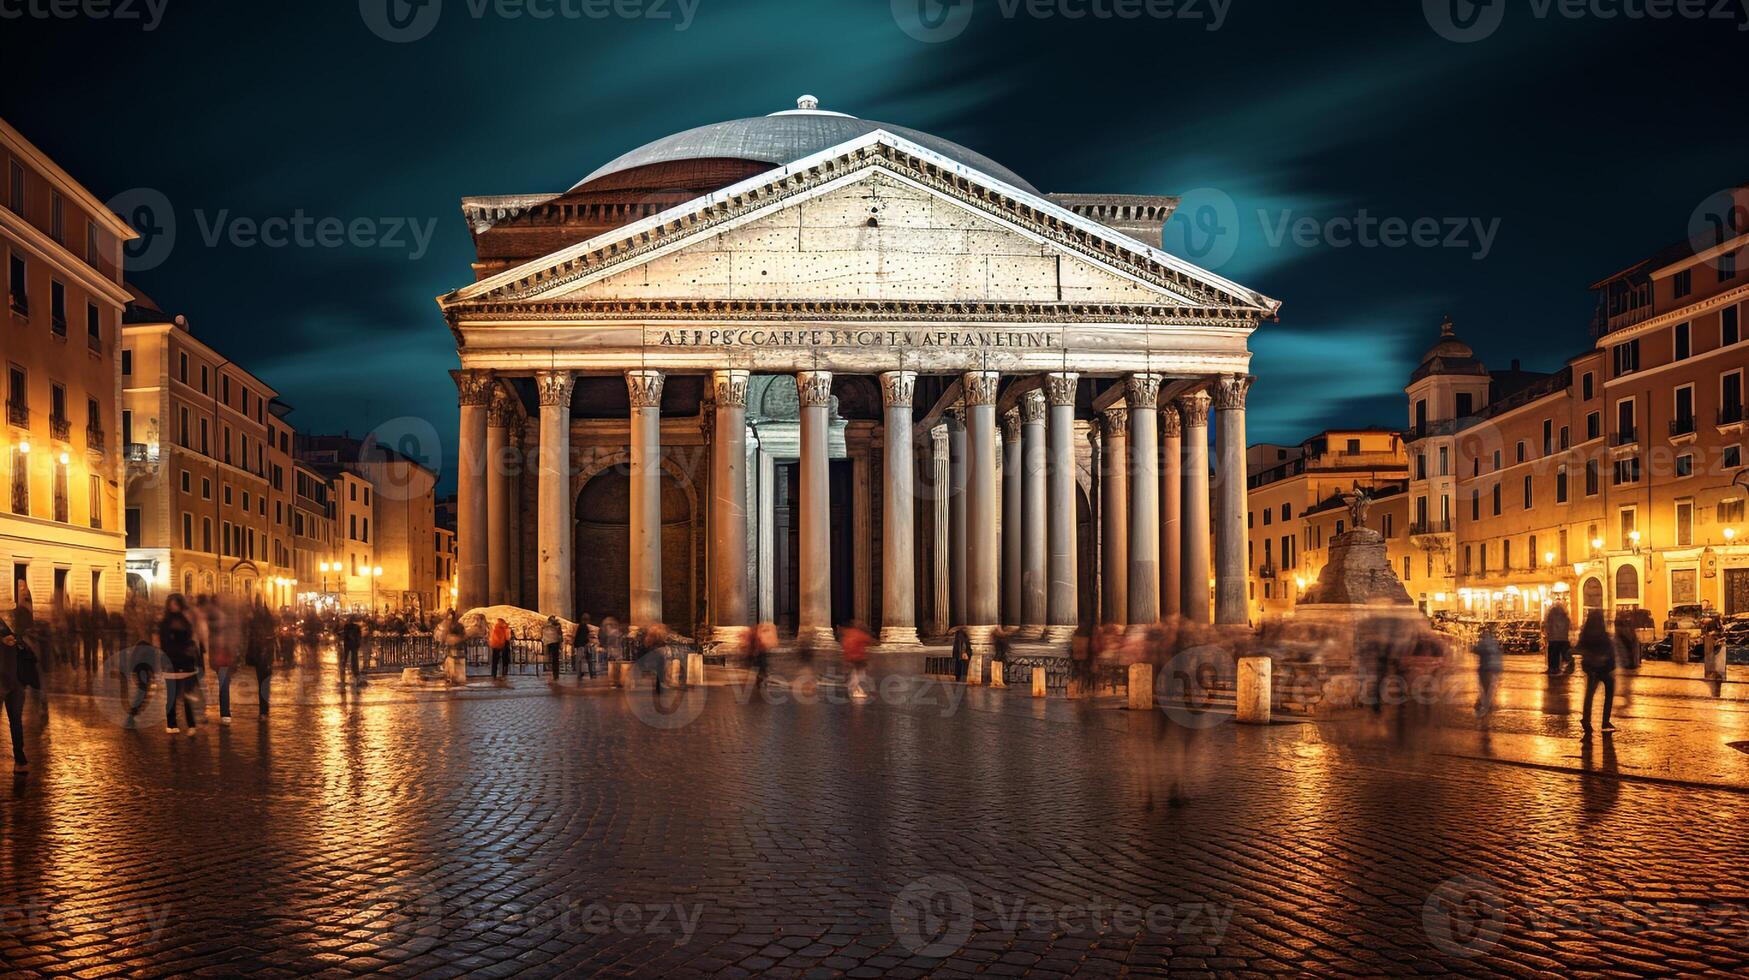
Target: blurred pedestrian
x,y
584,648
761,640
263,647
653,639
1627,638
552,637
1557,640
854,641
351,640
498,644
611,638
222,633
177,640
12,693
1490,663
962,653
1597,659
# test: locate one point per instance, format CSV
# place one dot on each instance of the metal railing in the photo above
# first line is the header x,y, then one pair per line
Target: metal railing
x,y
94,439
60,428
18,413
1627,437
528,656
1682,426
1431,527
1730,414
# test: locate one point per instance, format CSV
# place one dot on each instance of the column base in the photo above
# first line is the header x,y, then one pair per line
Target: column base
x,y
1060,633
983,639
900,638
730,636
1029,633
819,637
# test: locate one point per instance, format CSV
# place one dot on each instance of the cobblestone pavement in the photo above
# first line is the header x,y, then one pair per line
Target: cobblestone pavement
x,y
933,830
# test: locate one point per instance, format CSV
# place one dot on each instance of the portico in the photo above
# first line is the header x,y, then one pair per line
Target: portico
x,y
864,382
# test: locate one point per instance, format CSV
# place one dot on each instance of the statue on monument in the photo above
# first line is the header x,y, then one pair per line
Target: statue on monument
x,y
1358,500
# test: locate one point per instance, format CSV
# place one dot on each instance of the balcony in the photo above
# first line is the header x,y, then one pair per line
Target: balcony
x,y
139,452
60,429
1730,415
1627,437
18,413
1430,527
1267,571
94,439
1682,425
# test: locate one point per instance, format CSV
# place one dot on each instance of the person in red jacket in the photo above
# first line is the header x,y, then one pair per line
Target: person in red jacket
x,y
854,641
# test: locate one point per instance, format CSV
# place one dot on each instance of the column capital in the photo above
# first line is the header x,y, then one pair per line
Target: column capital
x,y
501,411
644,388
1011,425
729,388
1194,409
814,388
475,387
555,388
956,416
1032,408
1117,422
1229,392
898,388
1060,387
1171,423
938,443
1142,391
980,387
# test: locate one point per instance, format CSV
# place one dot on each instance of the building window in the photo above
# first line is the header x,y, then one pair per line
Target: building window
x,y
1593,426
1464,403
127,363
1566,437
187,482
1496,500
20,482
1733,457
1685,465
16,197
1387,525
57,308
1626,357
57,218
93,327
96,501
1682,283
1286,512
1627,470
1627,527
187,531
91,249
206,535
1684,346
1624,422
17,288
1506,555
1731,397
1684,523
1548,436
1520,458
1730,330
1591,478
1682,420
1727,264
206,488
1444,461
1587,386
1527,492
182,368
1476,504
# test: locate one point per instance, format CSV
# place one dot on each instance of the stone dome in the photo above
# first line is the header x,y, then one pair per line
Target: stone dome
x,y
1449,356
768,141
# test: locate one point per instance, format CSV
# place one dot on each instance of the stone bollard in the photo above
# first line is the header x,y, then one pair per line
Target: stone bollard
x,y
410,675
1141,687
998,674
695,669
671,671
1680,644
975,670
1038,682
1253,701
1714,659
455,670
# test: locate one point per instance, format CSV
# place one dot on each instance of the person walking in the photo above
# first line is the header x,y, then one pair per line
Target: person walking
x,y
583,649
1627,638
1597,659
854,641
498,642
176,640
263,642
761,640
351,639
962,653
12,693
1490,663
222,633
552,637
1557,640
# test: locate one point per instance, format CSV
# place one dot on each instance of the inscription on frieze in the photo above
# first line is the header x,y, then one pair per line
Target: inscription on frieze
x,y
768,338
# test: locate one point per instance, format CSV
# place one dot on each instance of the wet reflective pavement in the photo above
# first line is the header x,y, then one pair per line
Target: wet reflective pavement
x,y
935,829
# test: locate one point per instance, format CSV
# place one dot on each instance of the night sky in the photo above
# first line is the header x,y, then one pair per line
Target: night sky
x,y
1565,148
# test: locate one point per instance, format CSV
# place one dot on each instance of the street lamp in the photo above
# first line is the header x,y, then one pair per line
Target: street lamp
x,y
374,574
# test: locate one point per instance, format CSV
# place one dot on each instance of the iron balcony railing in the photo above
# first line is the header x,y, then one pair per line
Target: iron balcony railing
x,y
1430,527
1730,414
1682,425
60,428
18,413
1627,437
94,439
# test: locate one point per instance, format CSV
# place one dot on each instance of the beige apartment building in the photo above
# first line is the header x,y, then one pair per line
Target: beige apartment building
x,y
209,508
447,585
61,252
1285,482
384,506
315,556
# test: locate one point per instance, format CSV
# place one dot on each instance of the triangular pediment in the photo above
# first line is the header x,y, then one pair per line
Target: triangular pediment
x,y
875,220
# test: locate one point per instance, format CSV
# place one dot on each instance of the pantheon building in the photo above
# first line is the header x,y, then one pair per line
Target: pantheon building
x,y
808,368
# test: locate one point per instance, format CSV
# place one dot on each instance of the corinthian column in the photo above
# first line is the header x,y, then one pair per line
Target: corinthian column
x,y
474,390
1194,509
941,542
1141,394
1171,499
1231,605
1011,519
956,515
814,617
499,489
1063,593
554,539
898,504
729,506
982,542
1115,530
1032,514
644,389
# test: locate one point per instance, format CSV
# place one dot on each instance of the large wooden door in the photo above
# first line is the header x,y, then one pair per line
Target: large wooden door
x,y
1736,591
